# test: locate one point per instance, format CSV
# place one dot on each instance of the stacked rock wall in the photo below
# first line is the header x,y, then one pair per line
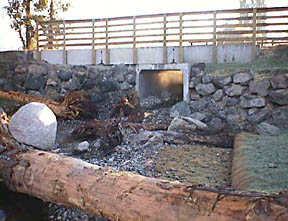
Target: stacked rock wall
x,y
20,72
240,101
234,102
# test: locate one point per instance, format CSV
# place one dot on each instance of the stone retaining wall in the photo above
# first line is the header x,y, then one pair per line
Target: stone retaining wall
x,y
240,101
19,71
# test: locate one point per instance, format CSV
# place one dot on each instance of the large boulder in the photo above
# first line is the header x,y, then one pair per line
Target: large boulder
x,y
37,69
279,81
34,124
250,101
35,82
241,78
259,87
279,96
205,89
180,109
186,124
221,81
234,90
265,128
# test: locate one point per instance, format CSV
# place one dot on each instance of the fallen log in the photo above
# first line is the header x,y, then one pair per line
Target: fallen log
x,y
150,127
218,140
123,195
75,104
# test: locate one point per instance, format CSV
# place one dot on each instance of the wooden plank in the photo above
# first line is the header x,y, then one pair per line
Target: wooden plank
x,y
181,52
97,24
251,32
93,43
215,37
261,17
123,43
254,49
199,40
73,39
135,59
148,29
260,10
119,25
107,52
119,37
198,33
71,45
124,30
151,35
149,23
67,28
199,26
64,45
154,41
164,39
37,41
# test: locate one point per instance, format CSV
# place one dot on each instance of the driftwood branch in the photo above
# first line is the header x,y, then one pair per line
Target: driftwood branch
x,y
124,195
75,104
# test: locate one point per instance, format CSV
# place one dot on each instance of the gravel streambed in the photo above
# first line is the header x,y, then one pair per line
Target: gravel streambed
x,y
146,154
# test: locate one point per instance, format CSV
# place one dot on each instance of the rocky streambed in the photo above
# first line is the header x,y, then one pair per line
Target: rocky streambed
x,y
142,152
146,153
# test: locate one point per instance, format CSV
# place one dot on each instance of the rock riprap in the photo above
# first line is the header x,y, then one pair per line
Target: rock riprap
x,y
34,124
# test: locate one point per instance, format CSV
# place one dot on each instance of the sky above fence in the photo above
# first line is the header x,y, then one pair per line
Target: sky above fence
x,y
85,9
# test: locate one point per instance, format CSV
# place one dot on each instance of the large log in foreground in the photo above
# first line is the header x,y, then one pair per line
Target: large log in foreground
x,y
124,195
127,196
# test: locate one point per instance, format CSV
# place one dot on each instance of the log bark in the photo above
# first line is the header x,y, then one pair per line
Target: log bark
x,y
124,195
74,105
218,140
150,127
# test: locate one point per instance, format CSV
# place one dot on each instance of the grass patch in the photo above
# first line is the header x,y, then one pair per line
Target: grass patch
x,y
271,59
266,161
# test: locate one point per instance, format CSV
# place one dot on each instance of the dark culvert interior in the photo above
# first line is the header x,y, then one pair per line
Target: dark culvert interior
x,y
165,84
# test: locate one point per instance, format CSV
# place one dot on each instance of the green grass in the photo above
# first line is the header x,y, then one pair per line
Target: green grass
x,y
272,59
260,153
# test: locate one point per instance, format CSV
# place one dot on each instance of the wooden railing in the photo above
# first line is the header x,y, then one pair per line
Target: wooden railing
x,y
259,26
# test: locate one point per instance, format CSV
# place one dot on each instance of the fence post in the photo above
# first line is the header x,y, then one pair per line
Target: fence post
x,y
37,40
215,37
64,44
107,52
254,33
165,39
135,58
93,43
181,54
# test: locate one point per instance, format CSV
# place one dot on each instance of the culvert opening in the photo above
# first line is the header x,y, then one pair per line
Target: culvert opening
x,y
164,84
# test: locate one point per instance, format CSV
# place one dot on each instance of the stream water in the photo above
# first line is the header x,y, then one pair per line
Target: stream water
x,y
20,207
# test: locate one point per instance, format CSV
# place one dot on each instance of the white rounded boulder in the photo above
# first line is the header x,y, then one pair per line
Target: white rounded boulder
x,y
34,124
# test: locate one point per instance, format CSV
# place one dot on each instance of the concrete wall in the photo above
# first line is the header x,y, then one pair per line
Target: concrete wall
x,y
241,53
52,56
79,56
150,55
197,54
121,56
